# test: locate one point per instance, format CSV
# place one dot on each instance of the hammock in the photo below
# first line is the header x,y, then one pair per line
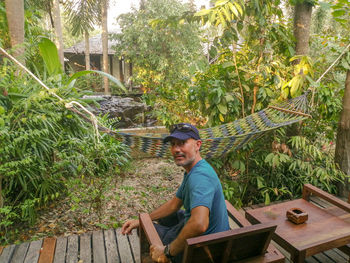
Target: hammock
x,y
219,140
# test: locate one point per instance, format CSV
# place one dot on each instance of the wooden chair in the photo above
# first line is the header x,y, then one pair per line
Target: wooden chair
x,y
247,243
333,205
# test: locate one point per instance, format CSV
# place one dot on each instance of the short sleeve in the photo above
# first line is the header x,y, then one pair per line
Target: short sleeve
x,y
179,192
202,191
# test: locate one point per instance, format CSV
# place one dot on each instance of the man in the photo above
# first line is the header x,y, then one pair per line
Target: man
x,y
200,193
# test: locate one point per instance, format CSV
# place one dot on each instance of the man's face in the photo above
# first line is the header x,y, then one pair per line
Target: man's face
x,y
185,152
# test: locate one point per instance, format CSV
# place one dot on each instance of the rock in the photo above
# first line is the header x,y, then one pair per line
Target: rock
x,y
126,109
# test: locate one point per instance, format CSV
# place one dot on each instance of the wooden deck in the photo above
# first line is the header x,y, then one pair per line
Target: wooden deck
x,y
107,246
103,246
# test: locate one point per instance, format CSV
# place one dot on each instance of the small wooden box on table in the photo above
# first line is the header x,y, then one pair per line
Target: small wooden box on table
x,y
245,244
322,231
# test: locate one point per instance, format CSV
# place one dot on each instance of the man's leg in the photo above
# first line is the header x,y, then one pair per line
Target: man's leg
x,y
172,219
169,228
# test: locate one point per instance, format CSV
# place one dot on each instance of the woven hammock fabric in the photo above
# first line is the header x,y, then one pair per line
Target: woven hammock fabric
x,y
219,140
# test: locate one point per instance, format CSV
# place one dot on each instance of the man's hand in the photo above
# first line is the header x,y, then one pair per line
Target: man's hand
x,y
157,254
130,225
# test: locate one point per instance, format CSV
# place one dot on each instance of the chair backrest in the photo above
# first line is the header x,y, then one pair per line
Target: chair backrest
x,y
229,246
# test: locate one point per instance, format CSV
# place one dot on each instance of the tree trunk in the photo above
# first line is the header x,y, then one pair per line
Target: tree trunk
x,y
58,30
15,19
302,22
1,197
87,50
342,149
142,4
105,44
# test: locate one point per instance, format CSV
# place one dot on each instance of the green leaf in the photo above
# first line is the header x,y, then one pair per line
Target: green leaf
x,y
2,122
239,165
229,97
226,13
345,64
338,13
275,161
234,10
222,108
85,72
221,2
267,199
260,182
269,157
222,19
295,84
2,110
239,8
49,53
228,64
202,12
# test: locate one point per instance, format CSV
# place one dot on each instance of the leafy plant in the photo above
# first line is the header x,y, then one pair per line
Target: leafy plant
x,y
42,144
258,174
163,47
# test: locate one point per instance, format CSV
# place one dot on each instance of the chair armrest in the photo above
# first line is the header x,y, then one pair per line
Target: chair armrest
x,y
310,189
236,216
147,227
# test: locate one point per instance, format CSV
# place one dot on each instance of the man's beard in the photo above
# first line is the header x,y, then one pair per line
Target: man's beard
x,y
185,162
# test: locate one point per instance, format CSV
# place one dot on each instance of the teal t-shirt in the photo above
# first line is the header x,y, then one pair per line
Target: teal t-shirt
x,y
202,187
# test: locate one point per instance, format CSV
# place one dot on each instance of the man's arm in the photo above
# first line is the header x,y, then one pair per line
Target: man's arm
x,y
164,210
196,225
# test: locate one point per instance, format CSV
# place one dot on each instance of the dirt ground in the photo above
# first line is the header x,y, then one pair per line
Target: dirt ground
x,y
146,185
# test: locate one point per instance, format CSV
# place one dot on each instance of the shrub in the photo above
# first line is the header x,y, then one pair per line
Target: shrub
x,y
41,144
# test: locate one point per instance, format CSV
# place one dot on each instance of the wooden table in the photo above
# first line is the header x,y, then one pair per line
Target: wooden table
x,y
322,230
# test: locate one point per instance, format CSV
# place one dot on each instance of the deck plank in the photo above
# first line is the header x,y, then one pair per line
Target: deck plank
x,y
98,247
33,251
7,254
72,249
312,260
335,256
60,252
20,252
321,257
48,250
85,247
135,245
124,247
342,254
111,246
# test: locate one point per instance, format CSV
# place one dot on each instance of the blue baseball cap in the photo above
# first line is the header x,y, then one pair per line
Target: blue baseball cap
x,y
182,131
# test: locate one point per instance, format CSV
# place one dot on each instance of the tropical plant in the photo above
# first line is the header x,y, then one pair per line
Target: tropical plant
x,y
82,16
260,174
42,142
163,54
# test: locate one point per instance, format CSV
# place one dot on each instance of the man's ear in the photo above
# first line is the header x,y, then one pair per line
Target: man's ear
x,y
199,143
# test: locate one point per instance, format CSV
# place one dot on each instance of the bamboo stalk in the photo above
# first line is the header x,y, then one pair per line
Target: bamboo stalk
x,y
290,111
240,85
